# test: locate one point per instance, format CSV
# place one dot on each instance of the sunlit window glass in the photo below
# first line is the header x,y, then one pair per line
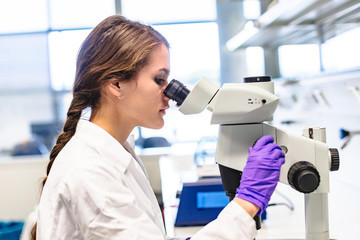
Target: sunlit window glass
x,y
24,62
63,49
342,52
255,61
194,50
67,14
299,60
23,16
251,9
175,10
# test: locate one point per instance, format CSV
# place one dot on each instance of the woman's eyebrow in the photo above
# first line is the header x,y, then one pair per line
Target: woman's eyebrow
x,y
165,70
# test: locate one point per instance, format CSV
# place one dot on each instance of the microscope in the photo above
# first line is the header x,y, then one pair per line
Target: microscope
x,y
241,110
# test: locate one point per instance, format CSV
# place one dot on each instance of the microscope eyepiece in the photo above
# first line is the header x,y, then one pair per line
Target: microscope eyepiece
x,y
176,91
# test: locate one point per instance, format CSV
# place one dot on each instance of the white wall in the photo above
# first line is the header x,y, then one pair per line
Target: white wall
x,y
20,185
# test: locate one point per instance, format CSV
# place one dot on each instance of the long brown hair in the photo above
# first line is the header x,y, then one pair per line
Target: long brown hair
x,y
116,49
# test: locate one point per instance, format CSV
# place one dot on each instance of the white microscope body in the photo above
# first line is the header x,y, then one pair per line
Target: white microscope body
x,y
241,109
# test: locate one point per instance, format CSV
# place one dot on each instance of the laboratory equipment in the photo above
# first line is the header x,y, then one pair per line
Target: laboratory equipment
x,y
347,136
241,110
200,202
11,230
204,157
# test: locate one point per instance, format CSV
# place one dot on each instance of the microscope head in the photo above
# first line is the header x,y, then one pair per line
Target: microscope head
x,y
235,103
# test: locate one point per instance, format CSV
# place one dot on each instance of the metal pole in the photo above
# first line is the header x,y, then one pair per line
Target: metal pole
x,y
316,204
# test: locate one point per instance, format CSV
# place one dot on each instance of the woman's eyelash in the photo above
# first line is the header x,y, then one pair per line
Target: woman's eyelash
x,y
159,81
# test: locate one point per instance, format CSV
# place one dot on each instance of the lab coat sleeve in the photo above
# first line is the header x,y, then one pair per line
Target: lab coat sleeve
x,y
232,223
103,207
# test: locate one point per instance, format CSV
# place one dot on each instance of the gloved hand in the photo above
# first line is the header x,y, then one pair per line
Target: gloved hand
x,y
261,173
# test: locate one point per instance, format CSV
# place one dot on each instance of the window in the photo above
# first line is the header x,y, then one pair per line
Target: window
x,y
169,11
251,9
69,14
23,16
63,49
342,52
299,60
194,50
24,62
255,61
339,53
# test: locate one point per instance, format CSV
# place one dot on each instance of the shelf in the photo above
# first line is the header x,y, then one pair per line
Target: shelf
x,y
298,22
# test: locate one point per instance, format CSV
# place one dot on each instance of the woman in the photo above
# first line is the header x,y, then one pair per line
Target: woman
x,y
96,187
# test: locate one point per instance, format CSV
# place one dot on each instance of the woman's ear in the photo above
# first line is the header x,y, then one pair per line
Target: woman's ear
x,y
115,89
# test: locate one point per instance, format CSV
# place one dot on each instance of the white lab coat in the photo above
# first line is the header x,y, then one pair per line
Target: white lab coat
x,y
98,189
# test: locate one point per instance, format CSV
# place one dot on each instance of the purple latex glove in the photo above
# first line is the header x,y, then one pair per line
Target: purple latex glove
x,y
261,173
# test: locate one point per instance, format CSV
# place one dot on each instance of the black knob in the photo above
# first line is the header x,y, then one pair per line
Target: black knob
x,y
257,79
335,159
304,177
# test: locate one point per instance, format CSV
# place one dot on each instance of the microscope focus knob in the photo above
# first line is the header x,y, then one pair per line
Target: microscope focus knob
x,y
335,159
304,177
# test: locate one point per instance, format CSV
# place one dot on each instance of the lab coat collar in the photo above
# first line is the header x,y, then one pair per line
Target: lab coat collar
x,y
129,146
105,144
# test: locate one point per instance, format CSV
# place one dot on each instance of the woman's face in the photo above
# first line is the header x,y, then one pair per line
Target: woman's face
x,y
144,103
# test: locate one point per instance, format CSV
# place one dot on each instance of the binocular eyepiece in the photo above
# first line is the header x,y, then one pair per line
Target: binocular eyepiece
x,y
176,91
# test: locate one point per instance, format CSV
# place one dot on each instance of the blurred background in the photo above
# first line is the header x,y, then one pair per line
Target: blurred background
x,y
310,48
219,40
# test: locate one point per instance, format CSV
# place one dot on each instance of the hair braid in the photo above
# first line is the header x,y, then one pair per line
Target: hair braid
x,y
73,115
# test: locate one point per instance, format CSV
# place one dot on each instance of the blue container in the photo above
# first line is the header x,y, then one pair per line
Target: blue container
x,y
10,230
